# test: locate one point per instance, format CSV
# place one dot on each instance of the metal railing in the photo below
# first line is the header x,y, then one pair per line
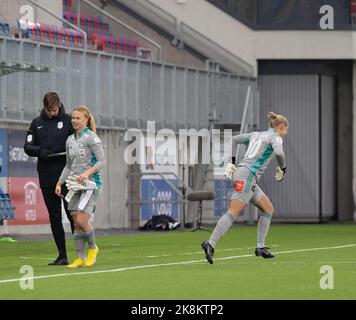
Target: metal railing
x,y
123,24
122,92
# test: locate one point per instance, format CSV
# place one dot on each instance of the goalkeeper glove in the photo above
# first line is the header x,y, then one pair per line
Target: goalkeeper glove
x,y
280,173
73,185
230,170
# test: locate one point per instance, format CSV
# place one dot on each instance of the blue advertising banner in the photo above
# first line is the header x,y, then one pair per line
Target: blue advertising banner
x,y
20,164
4,153
155,190
223,192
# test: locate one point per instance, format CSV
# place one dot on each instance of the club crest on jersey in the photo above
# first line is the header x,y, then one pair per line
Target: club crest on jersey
x,y
60,125
239,185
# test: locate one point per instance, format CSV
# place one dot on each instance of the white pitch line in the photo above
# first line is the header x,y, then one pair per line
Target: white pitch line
x,y
166,264
295,251
34,258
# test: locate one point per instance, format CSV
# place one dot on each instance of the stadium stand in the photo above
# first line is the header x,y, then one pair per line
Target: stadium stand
x,y
115,45
67,5
51,34
98,34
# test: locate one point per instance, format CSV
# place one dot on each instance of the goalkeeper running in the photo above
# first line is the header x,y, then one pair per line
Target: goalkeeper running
x,y
262,146
85,157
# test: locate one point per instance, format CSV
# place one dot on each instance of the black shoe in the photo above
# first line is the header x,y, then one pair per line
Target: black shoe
x,y
60,261
264,253
209,251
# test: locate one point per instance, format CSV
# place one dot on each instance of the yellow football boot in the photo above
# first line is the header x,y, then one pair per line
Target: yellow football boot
x,y
91,257
77,263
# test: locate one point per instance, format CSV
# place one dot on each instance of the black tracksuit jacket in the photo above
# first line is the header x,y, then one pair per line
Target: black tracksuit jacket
x,y
49,135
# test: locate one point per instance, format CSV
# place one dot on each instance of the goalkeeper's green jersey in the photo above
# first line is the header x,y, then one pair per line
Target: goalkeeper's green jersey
x,y
84,152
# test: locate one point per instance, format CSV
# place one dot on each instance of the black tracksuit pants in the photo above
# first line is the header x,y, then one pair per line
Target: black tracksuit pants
x,y
53,204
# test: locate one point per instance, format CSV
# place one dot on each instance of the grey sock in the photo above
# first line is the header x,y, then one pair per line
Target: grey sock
x,y
221,228
264,222
80,241
90,236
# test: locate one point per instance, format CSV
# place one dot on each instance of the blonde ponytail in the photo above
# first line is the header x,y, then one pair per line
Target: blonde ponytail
x,y
272,115
277,119
91,123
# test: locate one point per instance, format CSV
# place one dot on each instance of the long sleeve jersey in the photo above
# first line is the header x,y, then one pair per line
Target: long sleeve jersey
x,y
262,147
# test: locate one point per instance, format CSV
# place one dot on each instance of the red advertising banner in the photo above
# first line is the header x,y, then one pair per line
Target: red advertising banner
x,y
26,197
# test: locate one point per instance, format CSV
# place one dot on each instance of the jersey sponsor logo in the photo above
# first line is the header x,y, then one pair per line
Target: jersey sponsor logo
x,y
39,127
60,125
239,185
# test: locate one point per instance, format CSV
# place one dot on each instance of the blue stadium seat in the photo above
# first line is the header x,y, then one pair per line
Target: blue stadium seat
x,y
5,30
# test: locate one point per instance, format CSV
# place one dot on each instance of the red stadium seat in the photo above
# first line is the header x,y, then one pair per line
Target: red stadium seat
x,y
51,35
67,39
61,40
43,31
353,7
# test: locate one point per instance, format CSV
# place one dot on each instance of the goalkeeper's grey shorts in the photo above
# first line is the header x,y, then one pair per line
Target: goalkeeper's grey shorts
x,y
73,204
245,187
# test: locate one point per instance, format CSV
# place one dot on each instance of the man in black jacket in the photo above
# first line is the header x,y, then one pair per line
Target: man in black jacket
x,y
46,139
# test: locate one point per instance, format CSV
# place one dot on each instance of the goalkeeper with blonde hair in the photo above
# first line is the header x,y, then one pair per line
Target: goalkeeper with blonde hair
x,y
262,146
85,158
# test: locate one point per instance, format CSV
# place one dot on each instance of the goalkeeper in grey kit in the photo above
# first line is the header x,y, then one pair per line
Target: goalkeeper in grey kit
x,y
262,146
85,158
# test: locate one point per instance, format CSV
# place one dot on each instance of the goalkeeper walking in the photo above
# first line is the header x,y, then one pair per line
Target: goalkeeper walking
x,y
85,158
262,146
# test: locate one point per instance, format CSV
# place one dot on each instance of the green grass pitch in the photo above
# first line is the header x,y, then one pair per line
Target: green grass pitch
x,y
171,265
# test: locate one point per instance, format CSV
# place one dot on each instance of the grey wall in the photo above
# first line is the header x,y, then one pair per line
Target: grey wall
x,y
341,72
111,210
297,98
328,143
